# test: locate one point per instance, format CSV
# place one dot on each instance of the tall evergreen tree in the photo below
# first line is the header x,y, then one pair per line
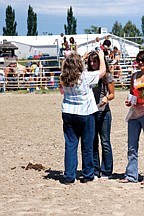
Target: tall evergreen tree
x,y
71,23
117,29
31,22
10,29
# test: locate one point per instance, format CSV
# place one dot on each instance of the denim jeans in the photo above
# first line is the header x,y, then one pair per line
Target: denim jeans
x,y
134,129
61,52
76,127
102,129
32,84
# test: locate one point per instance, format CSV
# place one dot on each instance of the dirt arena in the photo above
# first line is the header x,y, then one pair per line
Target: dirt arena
x,y
31,132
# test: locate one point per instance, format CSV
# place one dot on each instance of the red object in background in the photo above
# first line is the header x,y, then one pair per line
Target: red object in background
x,y
36,56
102,47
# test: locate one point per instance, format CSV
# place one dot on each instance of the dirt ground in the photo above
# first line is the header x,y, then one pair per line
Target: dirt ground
x,y
31,132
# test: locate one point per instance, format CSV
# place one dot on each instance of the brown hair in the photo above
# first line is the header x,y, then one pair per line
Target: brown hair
x,y
93,55
71,40
71,70
140,56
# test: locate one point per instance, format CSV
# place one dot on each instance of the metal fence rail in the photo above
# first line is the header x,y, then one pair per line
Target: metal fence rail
x,y
16,79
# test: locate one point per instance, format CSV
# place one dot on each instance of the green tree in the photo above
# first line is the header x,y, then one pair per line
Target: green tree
x,y
142,25
10,29
92,30
70,29
130,30
117,29
31,22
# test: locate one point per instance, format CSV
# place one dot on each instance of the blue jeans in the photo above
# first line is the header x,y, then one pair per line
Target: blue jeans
x,y
134,129
2,89
102,128
32,87
76,127
61,52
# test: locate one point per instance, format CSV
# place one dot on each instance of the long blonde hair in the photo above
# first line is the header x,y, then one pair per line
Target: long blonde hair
x,y
71,70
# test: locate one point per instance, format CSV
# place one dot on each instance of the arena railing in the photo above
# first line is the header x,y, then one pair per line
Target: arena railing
x,y
15,78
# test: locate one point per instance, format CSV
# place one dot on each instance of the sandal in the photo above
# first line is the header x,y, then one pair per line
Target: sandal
x,y
142,183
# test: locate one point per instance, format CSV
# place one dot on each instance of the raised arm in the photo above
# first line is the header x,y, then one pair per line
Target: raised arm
x,y
102,63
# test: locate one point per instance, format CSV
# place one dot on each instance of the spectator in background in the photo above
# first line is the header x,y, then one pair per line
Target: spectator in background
x,y
37,75
11,76
107,42
31,83
29,75
115,55
73,45
97,44
51,80
2,81
116,71
60,41
67,52
26,73
33,66
107,47
65,44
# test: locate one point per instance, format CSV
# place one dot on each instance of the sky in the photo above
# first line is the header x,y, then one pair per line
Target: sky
x,y
52,14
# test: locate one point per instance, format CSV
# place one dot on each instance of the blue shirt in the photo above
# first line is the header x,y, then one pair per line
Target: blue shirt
x,y
80,98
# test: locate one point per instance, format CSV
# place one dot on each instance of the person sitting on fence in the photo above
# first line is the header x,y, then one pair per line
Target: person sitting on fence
x,y
28,76
26,73
11,76
33,67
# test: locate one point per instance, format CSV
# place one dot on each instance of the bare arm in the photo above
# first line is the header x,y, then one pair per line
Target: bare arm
x,y
102,63
110,95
